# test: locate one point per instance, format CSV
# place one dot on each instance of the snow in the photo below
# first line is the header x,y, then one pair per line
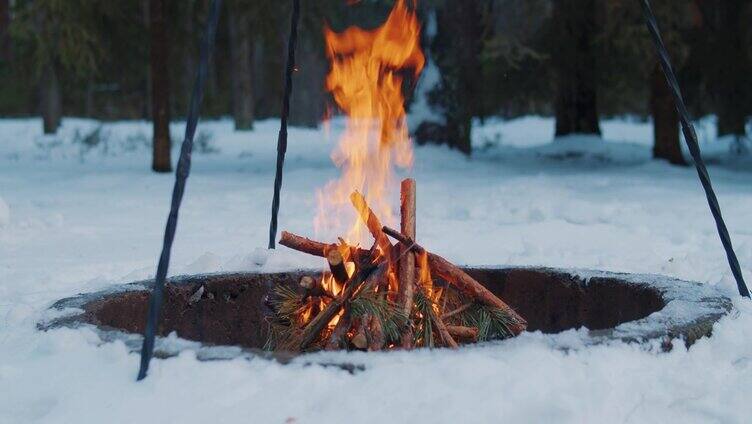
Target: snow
x,y
4,213
421,110
81,212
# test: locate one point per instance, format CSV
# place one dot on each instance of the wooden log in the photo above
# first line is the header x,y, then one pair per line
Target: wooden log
x,y
372,222
337,266
463,333
307,282
468,285
378,339
315,248
338,338
305,245
360,339
460,279
312,287
406,266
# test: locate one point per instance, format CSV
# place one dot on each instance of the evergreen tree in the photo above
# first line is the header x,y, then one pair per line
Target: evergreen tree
x,y
62,36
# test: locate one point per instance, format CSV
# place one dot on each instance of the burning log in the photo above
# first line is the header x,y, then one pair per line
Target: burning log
x,y
338,338
439,324
474,289
463,333
312,287
313,247
372,222
305,245
337,266
313,329
460,279
406,265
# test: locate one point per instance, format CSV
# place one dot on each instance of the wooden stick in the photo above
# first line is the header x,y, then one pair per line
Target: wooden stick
x,y
460,279
307,282
337,266
467,284
407,263
377,334
312,287
360,339
438,323
459,310
372,222
337,339
464,333
312,247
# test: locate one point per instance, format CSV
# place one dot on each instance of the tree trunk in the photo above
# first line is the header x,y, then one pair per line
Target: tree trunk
x,y
241,53
147,97
89,99
575,65
308,106
733,94
5,50
457,49
181,101
51,102
160,86
665,120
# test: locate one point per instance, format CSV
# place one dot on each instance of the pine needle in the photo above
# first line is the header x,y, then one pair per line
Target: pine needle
x,y
287,304
390,315
425,337
492,323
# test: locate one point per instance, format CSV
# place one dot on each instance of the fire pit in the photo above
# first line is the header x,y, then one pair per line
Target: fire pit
x,y
226,313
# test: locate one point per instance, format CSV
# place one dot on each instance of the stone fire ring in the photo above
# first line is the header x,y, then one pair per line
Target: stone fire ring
x,y
228,319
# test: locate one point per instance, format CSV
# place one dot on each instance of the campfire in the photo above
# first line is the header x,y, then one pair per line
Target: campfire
x,y
386,297
395,294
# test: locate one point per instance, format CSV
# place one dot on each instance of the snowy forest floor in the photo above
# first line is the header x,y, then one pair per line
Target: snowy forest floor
x,y
82,211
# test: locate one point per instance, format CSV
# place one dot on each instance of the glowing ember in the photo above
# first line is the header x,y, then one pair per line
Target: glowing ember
x,y
366,79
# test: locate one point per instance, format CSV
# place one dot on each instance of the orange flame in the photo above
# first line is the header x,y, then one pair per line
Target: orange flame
x,y
365,79
426,280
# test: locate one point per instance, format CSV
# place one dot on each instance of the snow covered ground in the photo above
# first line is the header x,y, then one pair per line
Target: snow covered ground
x,y
81,211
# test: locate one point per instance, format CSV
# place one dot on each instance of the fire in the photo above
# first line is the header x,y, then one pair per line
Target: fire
x,y
366,78
426,281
